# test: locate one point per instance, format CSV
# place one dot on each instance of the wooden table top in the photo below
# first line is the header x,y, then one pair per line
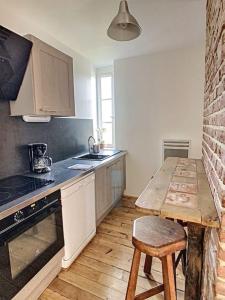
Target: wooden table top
x,y
180,190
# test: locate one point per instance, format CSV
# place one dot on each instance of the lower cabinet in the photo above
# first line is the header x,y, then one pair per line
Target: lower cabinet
x,y
109,186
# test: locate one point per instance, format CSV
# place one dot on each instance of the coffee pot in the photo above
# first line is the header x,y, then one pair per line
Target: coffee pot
x,y
39,162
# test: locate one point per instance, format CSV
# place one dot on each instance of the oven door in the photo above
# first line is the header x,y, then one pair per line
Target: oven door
x,y
25,249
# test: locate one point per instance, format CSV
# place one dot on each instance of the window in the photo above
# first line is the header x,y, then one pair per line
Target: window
x,y
105,107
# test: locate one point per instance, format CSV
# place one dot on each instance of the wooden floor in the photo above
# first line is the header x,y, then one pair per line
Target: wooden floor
x,y
102,269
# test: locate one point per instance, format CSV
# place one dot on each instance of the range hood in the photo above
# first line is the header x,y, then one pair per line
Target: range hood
x,y
14,55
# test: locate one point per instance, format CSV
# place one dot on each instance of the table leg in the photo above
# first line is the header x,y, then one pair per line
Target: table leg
x,y
194,262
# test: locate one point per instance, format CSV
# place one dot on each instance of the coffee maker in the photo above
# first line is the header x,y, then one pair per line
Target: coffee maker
x,y
39,162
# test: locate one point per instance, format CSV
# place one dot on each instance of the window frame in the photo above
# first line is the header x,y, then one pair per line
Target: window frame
x,y
100,73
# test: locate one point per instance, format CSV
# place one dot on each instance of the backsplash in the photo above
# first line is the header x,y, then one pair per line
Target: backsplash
x,y
65,137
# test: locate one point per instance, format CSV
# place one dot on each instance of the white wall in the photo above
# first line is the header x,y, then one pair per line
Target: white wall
x,y
84,73
85,88
157,97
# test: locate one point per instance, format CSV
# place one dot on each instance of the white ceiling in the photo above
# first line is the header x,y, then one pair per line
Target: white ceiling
x,y
82,24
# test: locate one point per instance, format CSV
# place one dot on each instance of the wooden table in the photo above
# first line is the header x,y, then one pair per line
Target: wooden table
x,y
180,191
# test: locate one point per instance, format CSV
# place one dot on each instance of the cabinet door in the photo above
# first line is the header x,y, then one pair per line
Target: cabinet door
x,y
110,175
101,192
115,178
118,181
53,80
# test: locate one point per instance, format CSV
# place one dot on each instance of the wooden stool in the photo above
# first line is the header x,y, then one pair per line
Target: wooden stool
x,y
160,238
182,256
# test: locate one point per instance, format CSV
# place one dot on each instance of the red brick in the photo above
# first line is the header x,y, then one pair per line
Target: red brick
x,y
213,145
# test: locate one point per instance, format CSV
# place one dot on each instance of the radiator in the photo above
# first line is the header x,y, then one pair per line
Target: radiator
x,y
175,148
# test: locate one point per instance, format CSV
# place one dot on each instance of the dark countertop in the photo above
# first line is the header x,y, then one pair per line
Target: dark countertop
x,y
62,176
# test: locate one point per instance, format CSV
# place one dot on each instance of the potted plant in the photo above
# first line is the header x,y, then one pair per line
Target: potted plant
x,y
100,132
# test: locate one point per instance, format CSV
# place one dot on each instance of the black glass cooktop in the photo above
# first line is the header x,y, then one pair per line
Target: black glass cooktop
x,y
17,186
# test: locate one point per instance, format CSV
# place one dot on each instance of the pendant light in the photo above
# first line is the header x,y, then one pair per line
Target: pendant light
x,y
124,26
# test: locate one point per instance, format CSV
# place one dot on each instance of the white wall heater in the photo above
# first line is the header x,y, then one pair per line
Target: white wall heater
x,y
176,148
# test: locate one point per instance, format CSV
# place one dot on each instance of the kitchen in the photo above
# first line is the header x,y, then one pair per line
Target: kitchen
x,y
102,126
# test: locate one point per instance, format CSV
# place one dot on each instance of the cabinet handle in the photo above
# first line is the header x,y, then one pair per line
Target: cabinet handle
x,y
47,110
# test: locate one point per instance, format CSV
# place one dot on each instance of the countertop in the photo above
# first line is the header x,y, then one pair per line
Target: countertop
x,y
62,176
180,190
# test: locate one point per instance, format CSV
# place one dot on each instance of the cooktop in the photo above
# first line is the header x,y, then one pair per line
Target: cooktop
x,y
17,186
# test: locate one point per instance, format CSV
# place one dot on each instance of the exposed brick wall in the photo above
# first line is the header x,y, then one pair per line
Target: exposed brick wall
x,y
214,146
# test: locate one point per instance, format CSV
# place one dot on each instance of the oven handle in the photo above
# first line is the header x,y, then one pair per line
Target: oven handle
x,y
35,214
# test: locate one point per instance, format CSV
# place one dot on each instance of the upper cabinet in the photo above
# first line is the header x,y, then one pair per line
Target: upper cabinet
x,y
48,86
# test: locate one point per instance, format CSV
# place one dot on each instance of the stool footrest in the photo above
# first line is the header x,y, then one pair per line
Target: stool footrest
x,y
154,291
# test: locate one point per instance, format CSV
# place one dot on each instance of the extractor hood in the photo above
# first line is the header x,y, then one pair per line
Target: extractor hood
x,y
14,56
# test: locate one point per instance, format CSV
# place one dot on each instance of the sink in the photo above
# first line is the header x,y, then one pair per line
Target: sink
x,y
92,156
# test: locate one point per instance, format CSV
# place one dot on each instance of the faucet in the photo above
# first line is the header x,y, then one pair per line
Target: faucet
x,y
90,148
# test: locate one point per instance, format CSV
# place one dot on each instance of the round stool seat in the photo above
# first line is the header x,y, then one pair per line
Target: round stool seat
x,y
158,237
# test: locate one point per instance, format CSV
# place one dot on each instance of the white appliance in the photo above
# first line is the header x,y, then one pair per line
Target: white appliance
x,y
78,211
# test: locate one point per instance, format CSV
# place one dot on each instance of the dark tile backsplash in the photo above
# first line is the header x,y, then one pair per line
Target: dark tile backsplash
x,y
65,137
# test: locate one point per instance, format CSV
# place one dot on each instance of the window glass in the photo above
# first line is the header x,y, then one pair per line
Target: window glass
x,y
107,133
106,87
107,111
105,108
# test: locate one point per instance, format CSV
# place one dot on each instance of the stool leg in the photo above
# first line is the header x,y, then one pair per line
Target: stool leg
x,y
184,261
174,268
168,278
148,264
182,257
132,283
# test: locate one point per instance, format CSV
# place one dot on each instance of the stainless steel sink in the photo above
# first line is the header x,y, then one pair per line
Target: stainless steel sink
x,y
92,156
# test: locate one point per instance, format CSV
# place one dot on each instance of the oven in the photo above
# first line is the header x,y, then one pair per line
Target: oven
x,y
29,239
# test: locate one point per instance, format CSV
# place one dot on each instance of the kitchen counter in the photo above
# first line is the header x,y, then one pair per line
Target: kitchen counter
x,y
62,176
180,191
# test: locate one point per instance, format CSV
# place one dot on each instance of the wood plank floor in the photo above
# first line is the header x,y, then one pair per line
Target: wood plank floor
x,y
102,269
